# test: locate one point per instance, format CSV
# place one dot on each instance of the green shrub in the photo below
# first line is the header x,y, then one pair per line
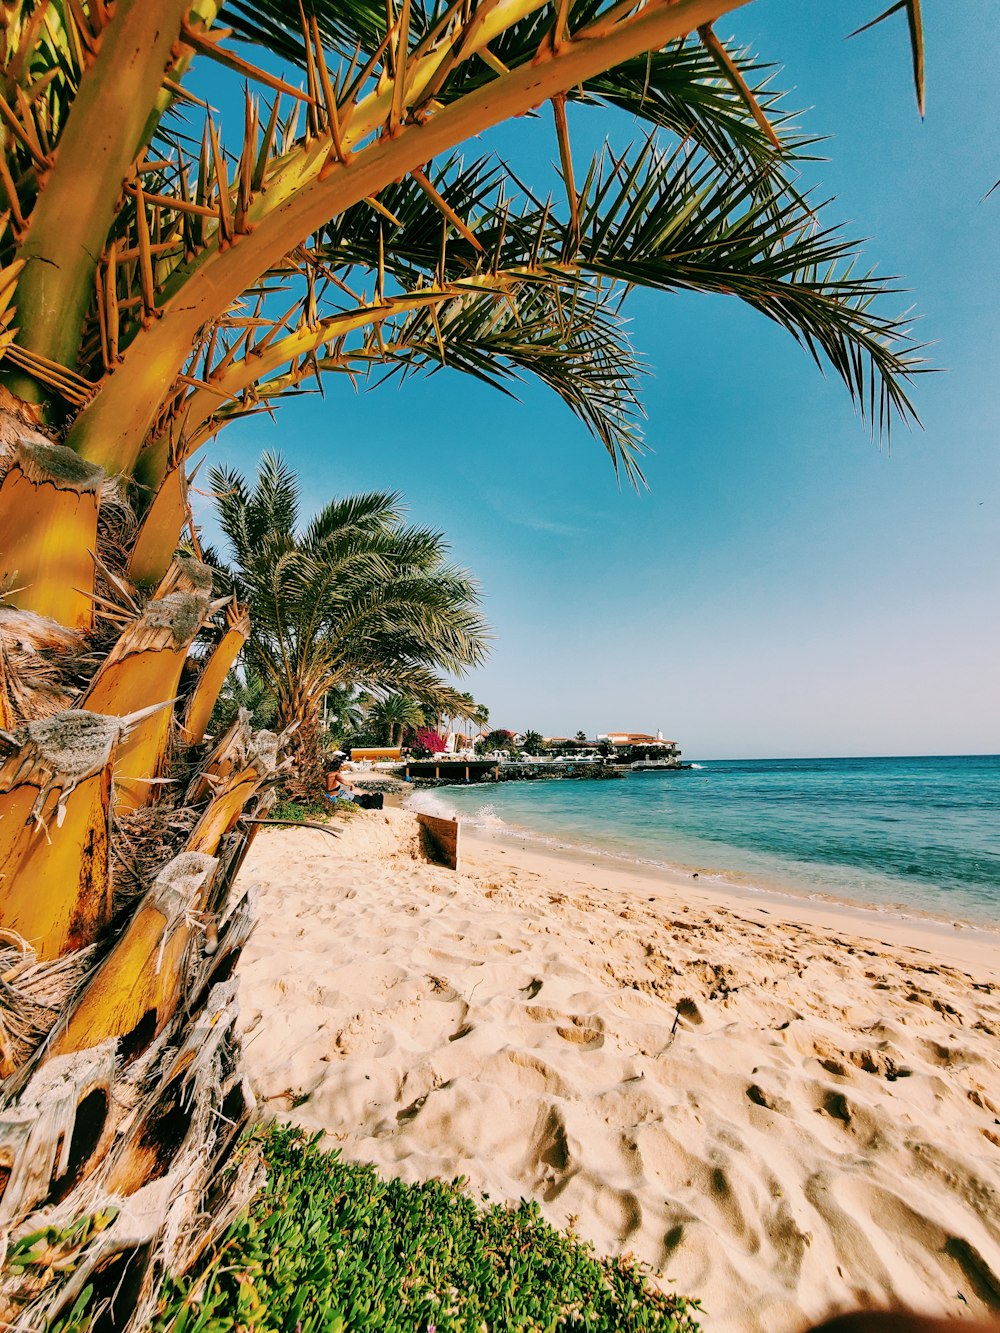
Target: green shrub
x,y
330,1247
297,811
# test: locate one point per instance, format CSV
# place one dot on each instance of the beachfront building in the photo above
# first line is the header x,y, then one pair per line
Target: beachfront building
x,y
635,746
568,745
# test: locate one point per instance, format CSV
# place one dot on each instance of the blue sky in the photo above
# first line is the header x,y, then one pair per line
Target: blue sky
x,y
786,587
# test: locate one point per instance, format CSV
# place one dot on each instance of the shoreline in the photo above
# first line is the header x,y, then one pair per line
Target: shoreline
x,y
963,943
786,1111
738,885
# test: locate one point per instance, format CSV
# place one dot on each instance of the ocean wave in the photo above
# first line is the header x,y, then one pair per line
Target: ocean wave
x,y
433,803
426,802
870,839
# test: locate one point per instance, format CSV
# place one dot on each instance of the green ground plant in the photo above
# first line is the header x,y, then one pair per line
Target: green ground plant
x,y
299,810
330,1247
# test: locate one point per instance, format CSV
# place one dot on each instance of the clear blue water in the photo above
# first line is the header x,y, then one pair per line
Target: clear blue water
x,y
918,834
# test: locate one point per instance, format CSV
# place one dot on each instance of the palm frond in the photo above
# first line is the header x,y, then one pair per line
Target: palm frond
x,y
355,596
569,339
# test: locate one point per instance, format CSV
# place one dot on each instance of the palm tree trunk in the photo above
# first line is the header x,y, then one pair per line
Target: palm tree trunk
x,y
120,926
299,714
309,755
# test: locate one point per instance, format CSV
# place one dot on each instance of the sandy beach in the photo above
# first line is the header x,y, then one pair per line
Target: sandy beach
x,y
785,1107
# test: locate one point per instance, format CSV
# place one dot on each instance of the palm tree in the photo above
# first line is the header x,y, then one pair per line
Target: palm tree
x,y
393,714
532,742
345,712
154,287
247,690
356,599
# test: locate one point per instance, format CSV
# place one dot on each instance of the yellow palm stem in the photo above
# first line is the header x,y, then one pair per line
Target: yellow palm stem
x,y
308,188
55,806
224,810
142,670
49,499
213,675
69,224
135,991
160,532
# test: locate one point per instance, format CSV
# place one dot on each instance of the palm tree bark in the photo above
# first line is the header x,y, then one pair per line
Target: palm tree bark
x,y
310,775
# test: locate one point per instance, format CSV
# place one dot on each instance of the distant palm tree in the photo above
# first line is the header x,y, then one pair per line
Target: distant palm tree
x,y
476,713
247,690
532,742
582,737
394,713
354,599
345,711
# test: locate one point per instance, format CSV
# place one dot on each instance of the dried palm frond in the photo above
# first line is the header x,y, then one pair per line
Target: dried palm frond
x,y
32,995
36,665
142,841
116,526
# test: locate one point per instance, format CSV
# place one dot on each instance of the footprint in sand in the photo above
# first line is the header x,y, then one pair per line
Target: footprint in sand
x,y
861,1122
769,1100
530,1074
585,1031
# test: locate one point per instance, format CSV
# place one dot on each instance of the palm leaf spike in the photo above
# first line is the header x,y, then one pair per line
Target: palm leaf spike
x,y
244,172
13,199
144,255
445,208
367,70
220,181
329,95
379,207
731,70
566,158
312,83
210,44
560,27
402,29
266,145
203,189
28,138
437,335
915,22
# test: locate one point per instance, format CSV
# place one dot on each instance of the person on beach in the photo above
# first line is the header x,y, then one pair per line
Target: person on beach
x,y
337,786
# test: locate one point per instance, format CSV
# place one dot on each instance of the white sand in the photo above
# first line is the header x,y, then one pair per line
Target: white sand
x,y
785,1108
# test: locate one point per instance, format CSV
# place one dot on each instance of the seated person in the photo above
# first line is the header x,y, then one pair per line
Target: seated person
x,y
337,786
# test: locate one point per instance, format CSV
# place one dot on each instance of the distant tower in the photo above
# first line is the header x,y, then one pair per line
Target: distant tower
x,y
659,734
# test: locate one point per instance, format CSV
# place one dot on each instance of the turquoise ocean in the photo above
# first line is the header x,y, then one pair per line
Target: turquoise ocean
x,y
914,835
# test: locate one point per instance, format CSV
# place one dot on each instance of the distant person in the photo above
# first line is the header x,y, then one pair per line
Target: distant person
x,y
337,786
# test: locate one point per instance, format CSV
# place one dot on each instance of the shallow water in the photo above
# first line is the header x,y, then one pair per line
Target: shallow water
x,y
913,834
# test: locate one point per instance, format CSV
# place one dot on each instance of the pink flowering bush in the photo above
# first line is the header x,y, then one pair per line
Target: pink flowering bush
x,y
427,738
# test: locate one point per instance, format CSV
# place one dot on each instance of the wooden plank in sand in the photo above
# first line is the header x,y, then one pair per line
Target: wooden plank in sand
x,y
440,839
